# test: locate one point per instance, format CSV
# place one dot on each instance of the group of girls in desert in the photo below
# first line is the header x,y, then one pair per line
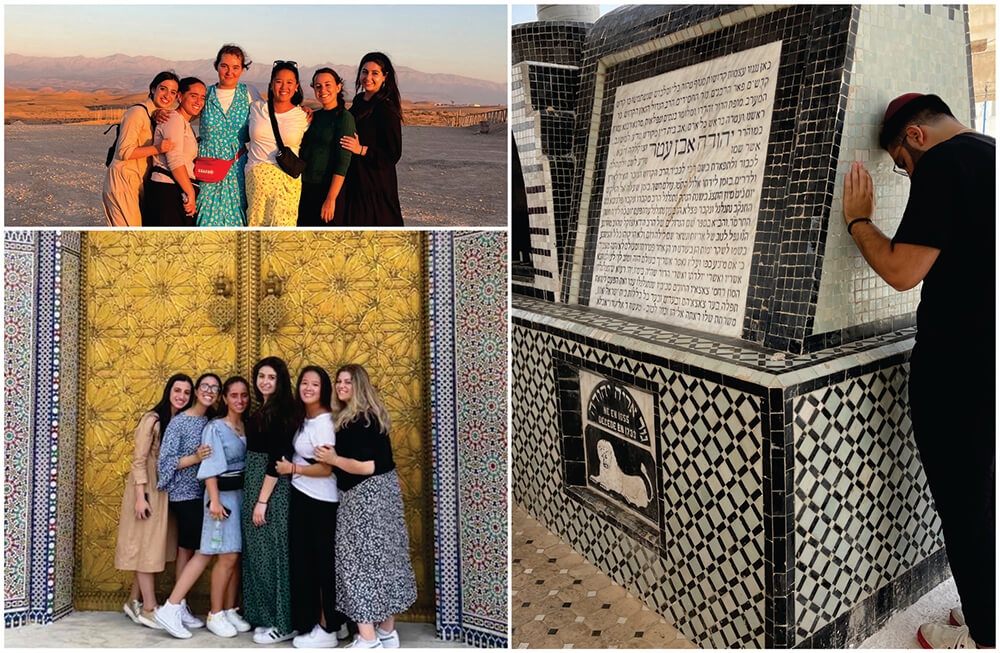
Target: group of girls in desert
x,y
298,502
249,150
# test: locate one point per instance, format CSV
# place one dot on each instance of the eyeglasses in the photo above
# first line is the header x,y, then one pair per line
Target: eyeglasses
x,y
278,62
205,387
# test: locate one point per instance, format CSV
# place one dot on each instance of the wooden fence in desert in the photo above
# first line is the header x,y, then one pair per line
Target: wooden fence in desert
x,y
495,116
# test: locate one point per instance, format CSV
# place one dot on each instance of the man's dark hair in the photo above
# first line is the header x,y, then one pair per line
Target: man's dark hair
x,y
920,110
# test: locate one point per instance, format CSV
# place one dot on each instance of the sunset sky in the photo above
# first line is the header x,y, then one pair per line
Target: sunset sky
x,y
467,40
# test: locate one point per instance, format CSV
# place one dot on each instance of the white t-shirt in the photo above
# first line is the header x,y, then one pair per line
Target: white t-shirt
x,y
263,146
226,95
314,432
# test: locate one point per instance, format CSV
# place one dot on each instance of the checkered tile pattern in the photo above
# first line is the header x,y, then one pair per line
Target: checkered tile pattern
x,y
863,513
707,574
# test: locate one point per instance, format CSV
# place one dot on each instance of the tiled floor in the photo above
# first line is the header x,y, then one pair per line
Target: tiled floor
x,y
559,600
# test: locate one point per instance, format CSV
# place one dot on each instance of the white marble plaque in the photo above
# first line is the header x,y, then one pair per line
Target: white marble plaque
x,y
682,191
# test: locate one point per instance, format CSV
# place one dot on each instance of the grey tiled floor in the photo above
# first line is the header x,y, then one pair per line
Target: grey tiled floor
x,y
560,600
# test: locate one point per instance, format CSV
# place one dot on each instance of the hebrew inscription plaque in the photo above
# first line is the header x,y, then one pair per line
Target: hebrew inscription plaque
x,y
682,191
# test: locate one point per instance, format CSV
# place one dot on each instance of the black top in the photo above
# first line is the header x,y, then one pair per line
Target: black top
x,y
952,207
274,443
371,186
363,442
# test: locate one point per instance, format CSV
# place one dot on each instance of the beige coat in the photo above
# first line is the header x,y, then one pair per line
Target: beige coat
x,y
123,183
146,545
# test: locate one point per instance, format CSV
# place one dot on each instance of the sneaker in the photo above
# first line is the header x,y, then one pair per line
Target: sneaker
x,y
957,617
218,624
388,639
242,625
939,636
272,636
168,615
188,619
132,608
259,629
148,619
359,642
305,639
343,632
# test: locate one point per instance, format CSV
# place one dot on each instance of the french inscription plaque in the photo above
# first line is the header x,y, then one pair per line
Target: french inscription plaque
x,y
619,445
682,191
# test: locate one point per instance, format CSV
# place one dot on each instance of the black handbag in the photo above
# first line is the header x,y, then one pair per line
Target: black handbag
x,y
232,482
287,160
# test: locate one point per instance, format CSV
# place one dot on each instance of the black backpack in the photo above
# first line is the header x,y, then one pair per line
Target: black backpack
x,y
118,133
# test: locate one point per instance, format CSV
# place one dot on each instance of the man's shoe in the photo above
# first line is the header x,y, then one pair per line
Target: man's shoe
x,y
242,625
148,619
957,617
359,642
272,636
939,636
168,615
218,624
388,639
188,619
132,608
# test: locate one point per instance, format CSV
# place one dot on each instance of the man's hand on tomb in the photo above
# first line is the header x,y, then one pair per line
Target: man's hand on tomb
x,y
859,194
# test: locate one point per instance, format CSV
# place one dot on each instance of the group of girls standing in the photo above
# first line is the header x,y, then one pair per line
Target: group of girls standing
x,y
324,542
350,156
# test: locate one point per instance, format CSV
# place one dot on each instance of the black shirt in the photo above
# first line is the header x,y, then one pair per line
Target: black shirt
x,y
952,207
275,441
363,442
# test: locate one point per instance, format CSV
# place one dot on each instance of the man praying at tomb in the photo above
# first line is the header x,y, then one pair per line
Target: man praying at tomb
x,y
945,239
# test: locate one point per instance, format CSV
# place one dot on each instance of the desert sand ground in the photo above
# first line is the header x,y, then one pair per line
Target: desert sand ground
x,y
448,176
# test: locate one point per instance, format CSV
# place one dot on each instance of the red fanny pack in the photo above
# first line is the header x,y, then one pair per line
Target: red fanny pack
x,y
209,170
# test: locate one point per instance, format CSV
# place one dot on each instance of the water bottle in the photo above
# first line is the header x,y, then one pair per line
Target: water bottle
x,y
216,540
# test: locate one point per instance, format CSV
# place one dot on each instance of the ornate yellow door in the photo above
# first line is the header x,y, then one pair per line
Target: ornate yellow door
x,y
154,305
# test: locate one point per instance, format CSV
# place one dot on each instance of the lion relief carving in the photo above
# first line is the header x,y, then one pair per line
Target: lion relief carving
x,y
636,489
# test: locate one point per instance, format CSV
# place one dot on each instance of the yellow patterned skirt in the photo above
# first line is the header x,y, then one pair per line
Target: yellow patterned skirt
x,y
272,197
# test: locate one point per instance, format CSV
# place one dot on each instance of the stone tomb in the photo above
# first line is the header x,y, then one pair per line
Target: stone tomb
x,y
709,384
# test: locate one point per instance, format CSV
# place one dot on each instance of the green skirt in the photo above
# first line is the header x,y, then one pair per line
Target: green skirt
x,y
266,589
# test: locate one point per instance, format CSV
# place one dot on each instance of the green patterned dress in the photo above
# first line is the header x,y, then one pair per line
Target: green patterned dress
x,y
266,588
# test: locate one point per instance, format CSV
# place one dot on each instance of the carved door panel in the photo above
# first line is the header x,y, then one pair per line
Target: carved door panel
x,y
360,297
152,310
145,296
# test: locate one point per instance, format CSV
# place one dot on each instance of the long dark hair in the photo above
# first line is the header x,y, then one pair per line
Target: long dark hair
x,y
230,382
160,78
234,50
325,393
337,78
163,408
390,89
275,414
213,410
285,65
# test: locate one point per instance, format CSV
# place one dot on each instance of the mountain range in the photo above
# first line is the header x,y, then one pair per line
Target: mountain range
x,y
121,74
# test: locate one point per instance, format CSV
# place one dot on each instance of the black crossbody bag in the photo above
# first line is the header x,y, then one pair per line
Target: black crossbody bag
x,y
287,160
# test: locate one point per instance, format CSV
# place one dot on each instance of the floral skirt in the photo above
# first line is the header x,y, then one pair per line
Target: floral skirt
x,y
374,576
272,196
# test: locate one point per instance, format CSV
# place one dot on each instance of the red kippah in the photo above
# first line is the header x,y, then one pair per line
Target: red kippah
x,y
898,104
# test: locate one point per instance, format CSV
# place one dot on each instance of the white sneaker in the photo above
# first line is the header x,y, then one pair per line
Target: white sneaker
x,y
132,608
957,617
305,639
359,642
272,636
242,625
259,629
218,624
188,619
168,615
388,639
343,632
149,620
940,636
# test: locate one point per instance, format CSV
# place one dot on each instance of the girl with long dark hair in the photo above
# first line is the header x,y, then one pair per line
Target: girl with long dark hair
x,y
372,188
313,517
326,161
180,454
266,585
272,194
147,537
